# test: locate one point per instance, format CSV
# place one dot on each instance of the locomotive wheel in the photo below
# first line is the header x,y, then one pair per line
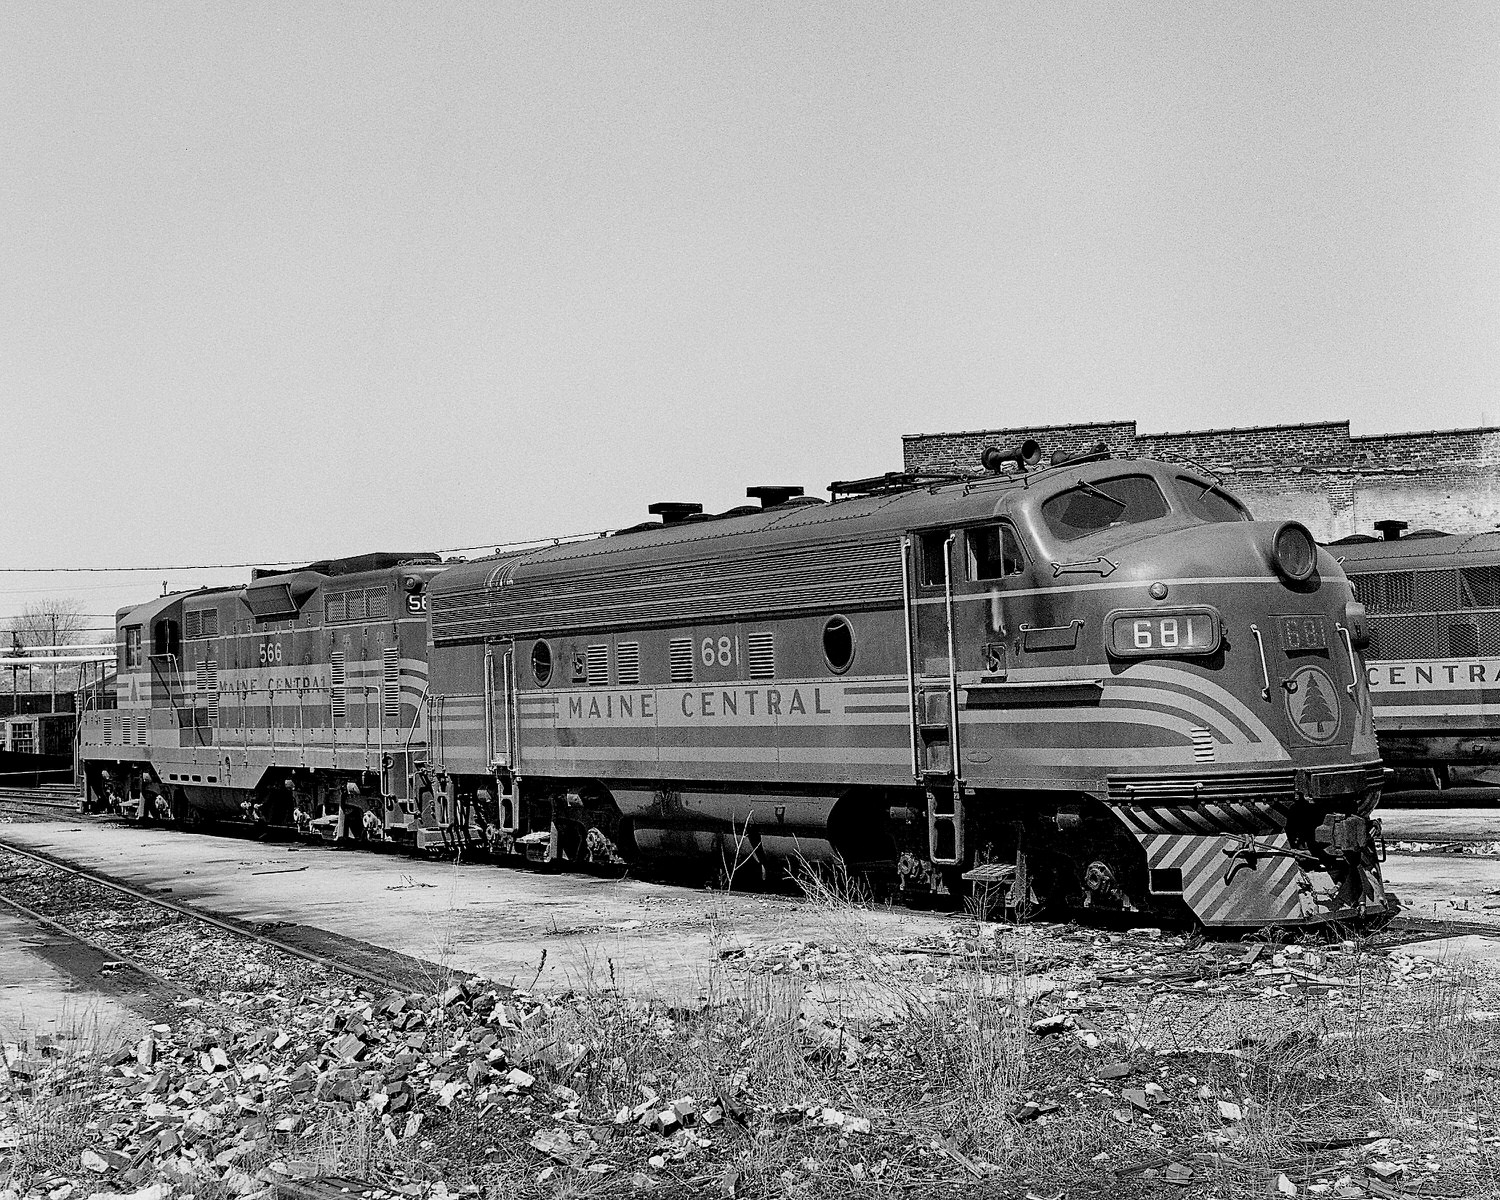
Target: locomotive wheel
x,y
182,814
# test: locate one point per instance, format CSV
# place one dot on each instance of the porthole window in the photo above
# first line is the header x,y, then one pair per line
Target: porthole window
x,y
541,663
838,644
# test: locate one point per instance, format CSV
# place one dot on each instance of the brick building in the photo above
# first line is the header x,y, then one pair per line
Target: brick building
x,y
1336,482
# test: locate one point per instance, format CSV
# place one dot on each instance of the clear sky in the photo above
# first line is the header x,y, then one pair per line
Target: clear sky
x,y
284,281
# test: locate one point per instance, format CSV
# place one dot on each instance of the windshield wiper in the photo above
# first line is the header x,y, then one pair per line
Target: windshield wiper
x,y
1085,486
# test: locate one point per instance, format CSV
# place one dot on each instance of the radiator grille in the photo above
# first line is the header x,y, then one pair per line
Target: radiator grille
x,y
1481,586
627,663
354,606
1403,637
794,579
1463,639
334,608
762,655
377,604
1432,590
598,666
682,660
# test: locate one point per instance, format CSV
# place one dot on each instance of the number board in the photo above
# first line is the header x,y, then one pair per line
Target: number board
x,y
1141,632
1303,633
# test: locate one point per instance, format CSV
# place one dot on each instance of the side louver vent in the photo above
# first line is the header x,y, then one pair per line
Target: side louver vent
x,y
762,648
390,683
682,660
598,666
628,663
337,701
208,687
1203,744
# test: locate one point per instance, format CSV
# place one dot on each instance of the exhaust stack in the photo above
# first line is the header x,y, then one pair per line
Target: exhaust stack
x,y
771,495
673,512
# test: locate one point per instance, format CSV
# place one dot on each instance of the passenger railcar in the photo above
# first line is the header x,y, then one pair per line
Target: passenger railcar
x,y
1434,658
297,700
1100,683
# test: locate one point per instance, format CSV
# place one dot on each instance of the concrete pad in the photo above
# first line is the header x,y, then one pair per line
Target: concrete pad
x,y
1454,888
39,998
1440,824
1473,947
520,926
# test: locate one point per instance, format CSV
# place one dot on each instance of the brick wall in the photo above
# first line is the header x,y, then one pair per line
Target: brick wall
x,y
1318,473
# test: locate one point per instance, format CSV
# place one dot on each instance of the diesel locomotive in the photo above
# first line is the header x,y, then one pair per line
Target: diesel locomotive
x,y
1434,657
298,700
1095,684
1099,683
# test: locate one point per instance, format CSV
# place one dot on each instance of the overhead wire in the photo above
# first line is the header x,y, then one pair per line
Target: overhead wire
x,y
235,566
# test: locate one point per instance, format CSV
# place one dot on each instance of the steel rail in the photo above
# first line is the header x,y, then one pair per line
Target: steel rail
x,y
110,954
38,801
233,927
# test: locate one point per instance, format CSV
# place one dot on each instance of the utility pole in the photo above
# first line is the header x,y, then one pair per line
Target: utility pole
x,y
52,704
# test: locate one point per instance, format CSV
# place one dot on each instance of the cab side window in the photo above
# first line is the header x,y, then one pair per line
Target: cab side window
x,y
166,639
133,656
994,552
932,555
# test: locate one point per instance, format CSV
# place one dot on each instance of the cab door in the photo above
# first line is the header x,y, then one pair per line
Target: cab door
x,y
500,705
930,561
957,580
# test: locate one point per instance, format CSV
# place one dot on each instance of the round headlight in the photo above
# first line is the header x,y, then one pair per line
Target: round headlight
x,y
1294,552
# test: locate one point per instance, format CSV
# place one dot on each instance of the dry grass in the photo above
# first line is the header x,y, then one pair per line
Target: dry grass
x,y
1419,1066
939,1054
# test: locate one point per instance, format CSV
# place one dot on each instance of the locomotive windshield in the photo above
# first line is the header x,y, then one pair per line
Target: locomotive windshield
x,y
1209,502
1090,507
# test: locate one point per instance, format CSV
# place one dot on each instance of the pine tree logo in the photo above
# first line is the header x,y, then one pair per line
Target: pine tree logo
x,y
1313,705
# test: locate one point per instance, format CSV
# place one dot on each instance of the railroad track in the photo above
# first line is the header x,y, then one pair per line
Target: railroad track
x,y
382,979
51,800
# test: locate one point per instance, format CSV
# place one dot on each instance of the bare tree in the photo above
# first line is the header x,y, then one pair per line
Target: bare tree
x,y
50,623
56,622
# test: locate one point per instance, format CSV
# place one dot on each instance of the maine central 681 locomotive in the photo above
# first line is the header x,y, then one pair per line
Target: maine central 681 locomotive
x,y
1099,683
